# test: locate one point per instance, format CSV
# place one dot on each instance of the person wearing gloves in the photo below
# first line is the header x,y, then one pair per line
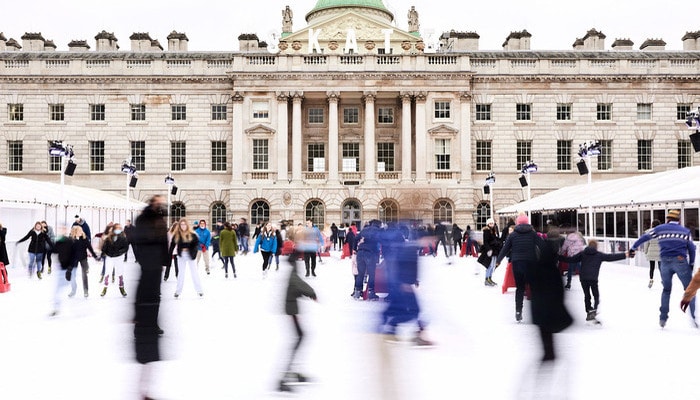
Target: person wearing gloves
x,y
114,251
266,242
677,252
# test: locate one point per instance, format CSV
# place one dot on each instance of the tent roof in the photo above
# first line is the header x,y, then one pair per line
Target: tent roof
x,y
27,191
674,186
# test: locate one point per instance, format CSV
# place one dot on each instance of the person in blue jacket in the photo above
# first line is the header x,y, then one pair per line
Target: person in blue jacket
x,y
266,242
677,252
204,243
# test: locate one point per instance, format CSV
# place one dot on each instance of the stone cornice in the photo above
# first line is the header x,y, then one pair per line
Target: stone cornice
x,y
102,80
344,76
583,77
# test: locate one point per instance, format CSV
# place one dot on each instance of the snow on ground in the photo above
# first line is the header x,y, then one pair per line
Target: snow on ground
x,y
234,342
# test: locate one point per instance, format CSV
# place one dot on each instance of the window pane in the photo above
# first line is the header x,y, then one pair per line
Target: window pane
x,y
316,160
315,211
351,151
138,112
388,211
218,212
178,112
442,212
385,115
442,154
442,109
564,112
218,156
16,155
260,154
259,212
483,155
685,154
138,154
97,155
644,155
604,112
682,110
564,155
523,112
385,157
178,156
644,111
351,115
15,112
218,112
315,115
97,112
56,112
483,112
523,153
605,156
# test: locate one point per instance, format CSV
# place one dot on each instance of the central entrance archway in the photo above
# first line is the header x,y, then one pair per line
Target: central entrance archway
x,y
352,212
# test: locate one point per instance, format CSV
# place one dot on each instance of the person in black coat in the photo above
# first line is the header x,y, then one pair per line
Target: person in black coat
x,y
4,258
81,246
456,238
489,250
280,244
66,254
150,237
591,260
39,240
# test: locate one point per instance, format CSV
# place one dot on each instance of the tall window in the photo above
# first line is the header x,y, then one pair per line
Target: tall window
x,y
259,212
177,211
644,155
97,155
218,155
605,156
178,112
682,110
523,112
57,112
261,110
15,155
316,212
316,160
483,213
97,112
644,111
604,112
564,155
564,111
351,155
351,115
315,115
385,157
260,155
442,154
385,115
15,112
685,154
178,155
54,161
218,212
442,212
483,155
218,112
138,154
523,153
138,112
388,211
442,110
483,112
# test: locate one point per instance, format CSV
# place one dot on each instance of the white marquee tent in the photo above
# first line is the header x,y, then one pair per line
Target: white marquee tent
x,y
679,188
25,201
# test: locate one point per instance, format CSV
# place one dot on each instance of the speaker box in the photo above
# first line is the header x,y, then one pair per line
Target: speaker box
x,y
132,182
582,167
523,180
70,168
695,141
173,190
487,189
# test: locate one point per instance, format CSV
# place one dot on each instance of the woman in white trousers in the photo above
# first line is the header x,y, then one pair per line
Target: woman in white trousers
x,y
186,241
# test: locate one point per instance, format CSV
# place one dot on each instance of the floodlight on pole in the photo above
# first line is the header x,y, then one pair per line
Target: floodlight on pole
x,y
65,152
129,169
490,181
586,151
172,189
693,122
525,179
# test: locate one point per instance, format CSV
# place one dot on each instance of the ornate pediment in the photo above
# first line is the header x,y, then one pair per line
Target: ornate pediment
x,y
442,131
260,130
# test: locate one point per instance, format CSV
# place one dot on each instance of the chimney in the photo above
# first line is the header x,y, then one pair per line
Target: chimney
x,y
653,45
106,41
33,41
458,41
622,44
3,42
691,40
155,45
578,44
12,45
140,42
49,45
177,41
248,42
517,41
594,40
78,45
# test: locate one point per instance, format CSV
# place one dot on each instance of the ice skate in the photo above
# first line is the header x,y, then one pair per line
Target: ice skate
x,y
651,283
518,316
122,291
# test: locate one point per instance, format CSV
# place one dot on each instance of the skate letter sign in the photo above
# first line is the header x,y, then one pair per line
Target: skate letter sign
x,y
350,41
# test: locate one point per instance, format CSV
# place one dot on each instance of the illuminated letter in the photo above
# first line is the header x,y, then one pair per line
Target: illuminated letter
x,y
350,42
387,44
313,41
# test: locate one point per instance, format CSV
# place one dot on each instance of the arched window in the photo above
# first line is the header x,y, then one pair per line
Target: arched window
x,y
316,212
442,212
218,212
352,213
483,212
177,211
388,211
259,212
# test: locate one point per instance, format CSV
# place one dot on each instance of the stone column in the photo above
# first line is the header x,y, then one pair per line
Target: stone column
x,y
422,151
333,159
406,153
282,136
237,139
465,137
297,98
370,145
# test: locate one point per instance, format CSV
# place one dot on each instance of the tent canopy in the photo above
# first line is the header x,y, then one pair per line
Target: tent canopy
x,y
670,187
20,191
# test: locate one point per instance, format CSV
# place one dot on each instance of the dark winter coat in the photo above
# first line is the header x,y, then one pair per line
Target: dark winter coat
x,y
150,237
38,242
491,243
191,246
591,259
66,252
4,258
81,247
280,242
547,289
115,246
296,287
520,245
456,233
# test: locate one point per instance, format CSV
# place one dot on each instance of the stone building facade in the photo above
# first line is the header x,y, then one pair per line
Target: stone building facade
x,y
344,120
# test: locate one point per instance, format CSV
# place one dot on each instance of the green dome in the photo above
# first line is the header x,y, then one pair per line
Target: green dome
x,y
330,4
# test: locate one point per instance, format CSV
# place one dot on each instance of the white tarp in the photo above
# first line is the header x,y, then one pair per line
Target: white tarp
x,y
672,188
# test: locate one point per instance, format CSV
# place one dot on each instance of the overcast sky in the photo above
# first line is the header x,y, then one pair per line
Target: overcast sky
x,y
214,25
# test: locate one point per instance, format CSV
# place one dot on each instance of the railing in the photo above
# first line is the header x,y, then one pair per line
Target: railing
x,y
351,176
523,63
261,60
138,63
483,63
57,63
643,63
219,63
563,63
441,175
315,60
388,176
388,60
603,63
352,60
16,63
178,63
97,63
315,176
442,60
